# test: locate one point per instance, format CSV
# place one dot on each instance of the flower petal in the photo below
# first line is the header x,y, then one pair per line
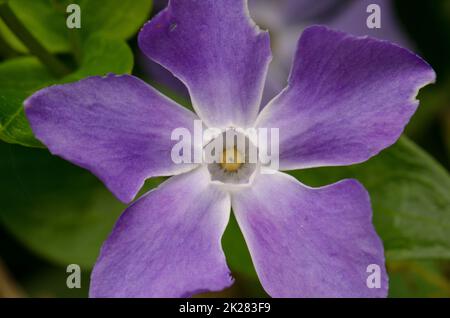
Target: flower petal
x,y
117,127
168,243
347,99
309,242
216,50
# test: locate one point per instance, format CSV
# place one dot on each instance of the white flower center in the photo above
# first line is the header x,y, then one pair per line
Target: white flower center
x,y
235,158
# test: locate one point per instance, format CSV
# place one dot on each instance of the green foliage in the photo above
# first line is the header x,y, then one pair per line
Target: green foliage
x,y
56,209
422,278
22,76
52,34
116,18
410,199
103,55
18,79
99,47
59,211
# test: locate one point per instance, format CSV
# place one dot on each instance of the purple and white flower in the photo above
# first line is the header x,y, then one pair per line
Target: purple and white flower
x,y
347,99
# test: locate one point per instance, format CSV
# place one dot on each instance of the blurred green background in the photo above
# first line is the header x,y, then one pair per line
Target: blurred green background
x,y
53,214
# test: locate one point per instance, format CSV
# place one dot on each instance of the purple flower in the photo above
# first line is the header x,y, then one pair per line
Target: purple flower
x,y
347,99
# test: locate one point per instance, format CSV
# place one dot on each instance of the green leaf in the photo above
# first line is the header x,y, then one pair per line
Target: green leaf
x,y
103,55
59,211
46,20
422,278
21,77
117,18
99,46
410,198
18,79
11,39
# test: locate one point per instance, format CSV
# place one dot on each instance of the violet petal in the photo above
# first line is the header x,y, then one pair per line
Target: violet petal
x,y
117,127
217,51
307,242
168,243
347,99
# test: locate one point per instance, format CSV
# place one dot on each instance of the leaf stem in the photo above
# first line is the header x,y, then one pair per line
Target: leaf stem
x,y
75,42
6,51
53,64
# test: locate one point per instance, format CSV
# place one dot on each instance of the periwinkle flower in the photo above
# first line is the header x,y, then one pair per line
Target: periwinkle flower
x,y
347,99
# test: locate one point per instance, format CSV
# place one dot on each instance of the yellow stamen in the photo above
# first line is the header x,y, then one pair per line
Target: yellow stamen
x,y
231,160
